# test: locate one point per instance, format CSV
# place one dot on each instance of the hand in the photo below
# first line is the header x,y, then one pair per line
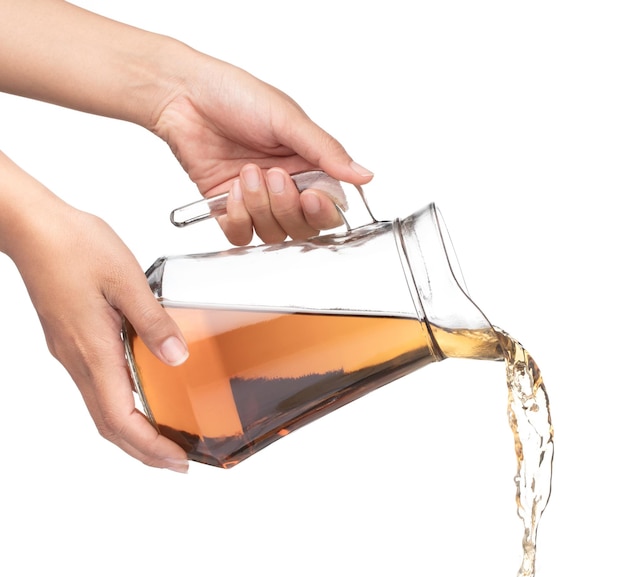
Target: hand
x,y
270,204
82,280
215,117
231,131
227,129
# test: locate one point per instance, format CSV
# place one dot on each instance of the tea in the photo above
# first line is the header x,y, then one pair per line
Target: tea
x,y
253,376
531,423
529,419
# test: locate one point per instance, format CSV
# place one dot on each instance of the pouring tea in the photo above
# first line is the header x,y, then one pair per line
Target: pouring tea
x,y
269,356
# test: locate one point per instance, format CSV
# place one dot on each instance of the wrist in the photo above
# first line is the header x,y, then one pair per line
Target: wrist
x,y
165,72
26,207
60,53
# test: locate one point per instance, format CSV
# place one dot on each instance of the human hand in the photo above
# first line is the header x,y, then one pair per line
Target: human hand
x,y
215,117
231,131
82,281
227,129
270,204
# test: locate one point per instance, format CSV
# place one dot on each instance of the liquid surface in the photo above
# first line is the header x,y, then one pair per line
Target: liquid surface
x,y
252,377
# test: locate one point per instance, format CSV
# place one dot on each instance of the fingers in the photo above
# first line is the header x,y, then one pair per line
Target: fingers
x,y
106,386
237,223
80,302
110,399
155,327
86,340
111,404
271,205
322,150
320,212
97,361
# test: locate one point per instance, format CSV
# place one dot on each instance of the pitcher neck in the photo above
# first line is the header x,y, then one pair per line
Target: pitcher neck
x,y
435,278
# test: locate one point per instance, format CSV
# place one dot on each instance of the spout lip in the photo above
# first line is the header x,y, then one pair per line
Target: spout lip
x,y
448,248
437,274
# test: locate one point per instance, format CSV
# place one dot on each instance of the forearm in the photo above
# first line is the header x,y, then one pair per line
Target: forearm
x,y
26,206
54,51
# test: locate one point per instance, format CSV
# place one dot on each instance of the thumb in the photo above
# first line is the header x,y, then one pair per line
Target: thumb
x,y
153,325
322,150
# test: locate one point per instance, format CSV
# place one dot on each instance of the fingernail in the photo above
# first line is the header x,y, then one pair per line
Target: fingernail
x,y
178,465
275,181
174,351
310,202
360,170
235,190
250,175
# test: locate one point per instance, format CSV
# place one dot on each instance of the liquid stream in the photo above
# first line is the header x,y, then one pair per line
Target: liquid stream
x,y
252,377
530,421
528,410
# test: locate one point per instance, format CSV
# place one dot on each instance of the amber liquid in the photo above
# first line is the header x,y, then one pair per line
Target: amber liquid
x,y
252,377
531,423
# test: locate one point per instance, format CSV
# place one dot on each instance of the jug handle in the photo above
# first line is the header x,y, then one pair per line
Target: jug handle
x,y
214,206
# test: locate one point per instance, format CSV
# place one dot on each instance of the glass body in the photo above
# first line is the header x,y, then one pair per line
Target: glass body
x,y
280,335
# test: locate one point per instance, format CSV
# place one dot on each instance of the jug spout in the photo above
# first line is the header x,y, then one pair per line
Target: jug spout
x,y
456,324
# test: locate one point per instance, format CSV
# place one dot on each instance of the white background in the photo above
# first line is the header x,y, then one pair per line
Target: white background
x,y
511,117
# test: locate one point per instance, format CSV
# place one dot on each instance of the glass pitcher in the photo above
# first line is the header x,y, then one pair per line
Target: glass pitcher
x,y
282,334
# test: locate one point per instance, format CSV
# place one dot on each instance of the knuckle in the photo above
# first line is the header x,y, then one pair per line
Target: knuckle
x,y
237,228
272,236
239,236
287,211
153,318
110,426
257,203
304,233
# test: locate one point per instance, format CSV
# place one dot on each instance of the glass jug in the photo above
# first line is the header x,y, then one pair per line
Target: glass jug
x,y
282,334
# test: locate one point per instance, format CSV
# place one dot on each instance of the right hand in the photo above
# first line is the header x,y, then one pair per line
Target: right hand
x,y
231,131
